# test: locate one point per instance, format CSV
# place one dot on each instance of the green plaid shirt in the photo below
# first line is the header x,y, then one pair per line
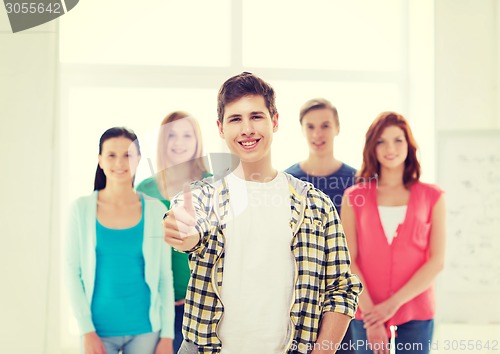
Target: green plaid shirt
x,y
323,281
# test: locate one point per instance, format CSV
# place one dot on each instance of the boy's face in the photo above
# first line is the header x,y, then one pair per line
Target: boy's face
x,y
320,128
248,128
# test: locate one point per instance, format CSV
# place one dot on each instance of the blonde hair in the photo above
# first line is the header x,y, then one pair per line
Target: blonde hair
x,y
197,165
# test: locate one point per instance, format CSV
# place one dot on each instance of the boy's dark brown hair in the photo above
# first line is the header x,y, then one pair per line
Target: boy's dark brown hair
x,y
245,84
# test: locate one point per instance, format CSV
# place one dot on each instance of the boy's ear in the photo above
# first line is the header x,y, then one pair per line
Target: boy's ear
x,y
275,122
221,132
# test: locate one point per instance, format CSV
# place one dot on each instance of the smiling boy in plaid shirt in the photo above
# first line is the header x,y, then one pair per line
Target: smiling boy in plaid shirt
x,y
269,260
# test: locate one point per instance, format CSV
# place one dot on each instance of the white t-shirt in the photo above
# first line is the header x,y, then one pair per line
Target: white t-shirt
x,y
391,217
257,285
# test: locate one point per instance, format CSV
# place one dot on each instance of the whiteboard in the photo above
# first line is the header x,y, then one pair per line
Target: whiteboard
x,y
468,290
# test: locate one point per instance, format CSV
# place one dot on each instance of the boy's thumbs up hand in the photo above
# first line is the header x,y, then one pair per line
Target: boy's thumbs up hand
x,y
179,224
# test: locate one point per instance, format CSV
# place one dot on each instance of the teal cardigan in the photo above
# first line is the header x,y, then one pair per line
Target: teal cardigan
x,y
80,261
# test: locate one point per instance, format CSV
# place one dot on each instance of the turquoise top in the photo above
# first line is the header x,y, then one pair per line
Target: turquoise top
x,y
80,264
121,300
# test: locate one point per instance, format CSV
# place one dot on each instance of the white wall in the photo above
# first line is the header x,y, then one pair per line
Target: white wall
x,y
467,71
27,101
467,64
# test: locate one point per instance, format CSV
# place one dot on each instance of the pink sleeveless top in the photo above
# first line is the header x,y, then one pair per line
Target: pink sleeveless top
x,y
386,268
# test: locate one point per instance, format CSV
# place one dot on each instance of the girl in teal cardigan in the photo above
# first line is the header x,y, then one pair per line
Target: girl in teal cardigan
x,y
118,268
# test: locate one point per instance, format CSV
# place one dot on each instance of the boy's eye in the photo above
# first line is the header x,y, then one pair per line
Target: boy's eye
x,y
234,119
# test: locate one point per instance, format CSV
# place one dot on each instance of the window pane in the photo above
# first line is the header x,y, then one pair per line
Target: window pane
x,y
150,32
357,105
323,34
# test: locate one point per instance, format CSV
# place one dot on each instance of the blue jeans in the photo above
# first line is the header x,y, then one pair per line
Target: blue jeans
x,y
179,314
413,337
138,344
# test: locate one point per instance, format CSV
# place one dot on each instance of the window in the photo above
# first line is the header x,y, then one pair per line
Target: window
x,y
324,34
150,32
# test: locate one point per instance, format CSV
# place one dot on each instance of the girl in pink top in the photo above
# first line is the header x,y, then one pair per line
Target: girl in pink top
x,y
395,229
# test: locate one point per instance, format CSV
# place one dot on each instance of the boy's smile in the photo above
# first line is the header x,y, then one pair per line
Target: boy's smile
x,y
248,129
249,144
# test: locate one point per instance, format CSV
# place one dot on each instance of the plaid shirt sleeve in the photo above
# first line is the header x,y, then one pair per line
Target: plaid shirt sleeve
x,y
342,287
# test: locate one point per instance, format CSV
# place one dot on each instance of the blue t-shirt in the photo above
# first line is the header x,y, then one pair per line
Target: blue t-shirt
x,y
121,299
333,185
